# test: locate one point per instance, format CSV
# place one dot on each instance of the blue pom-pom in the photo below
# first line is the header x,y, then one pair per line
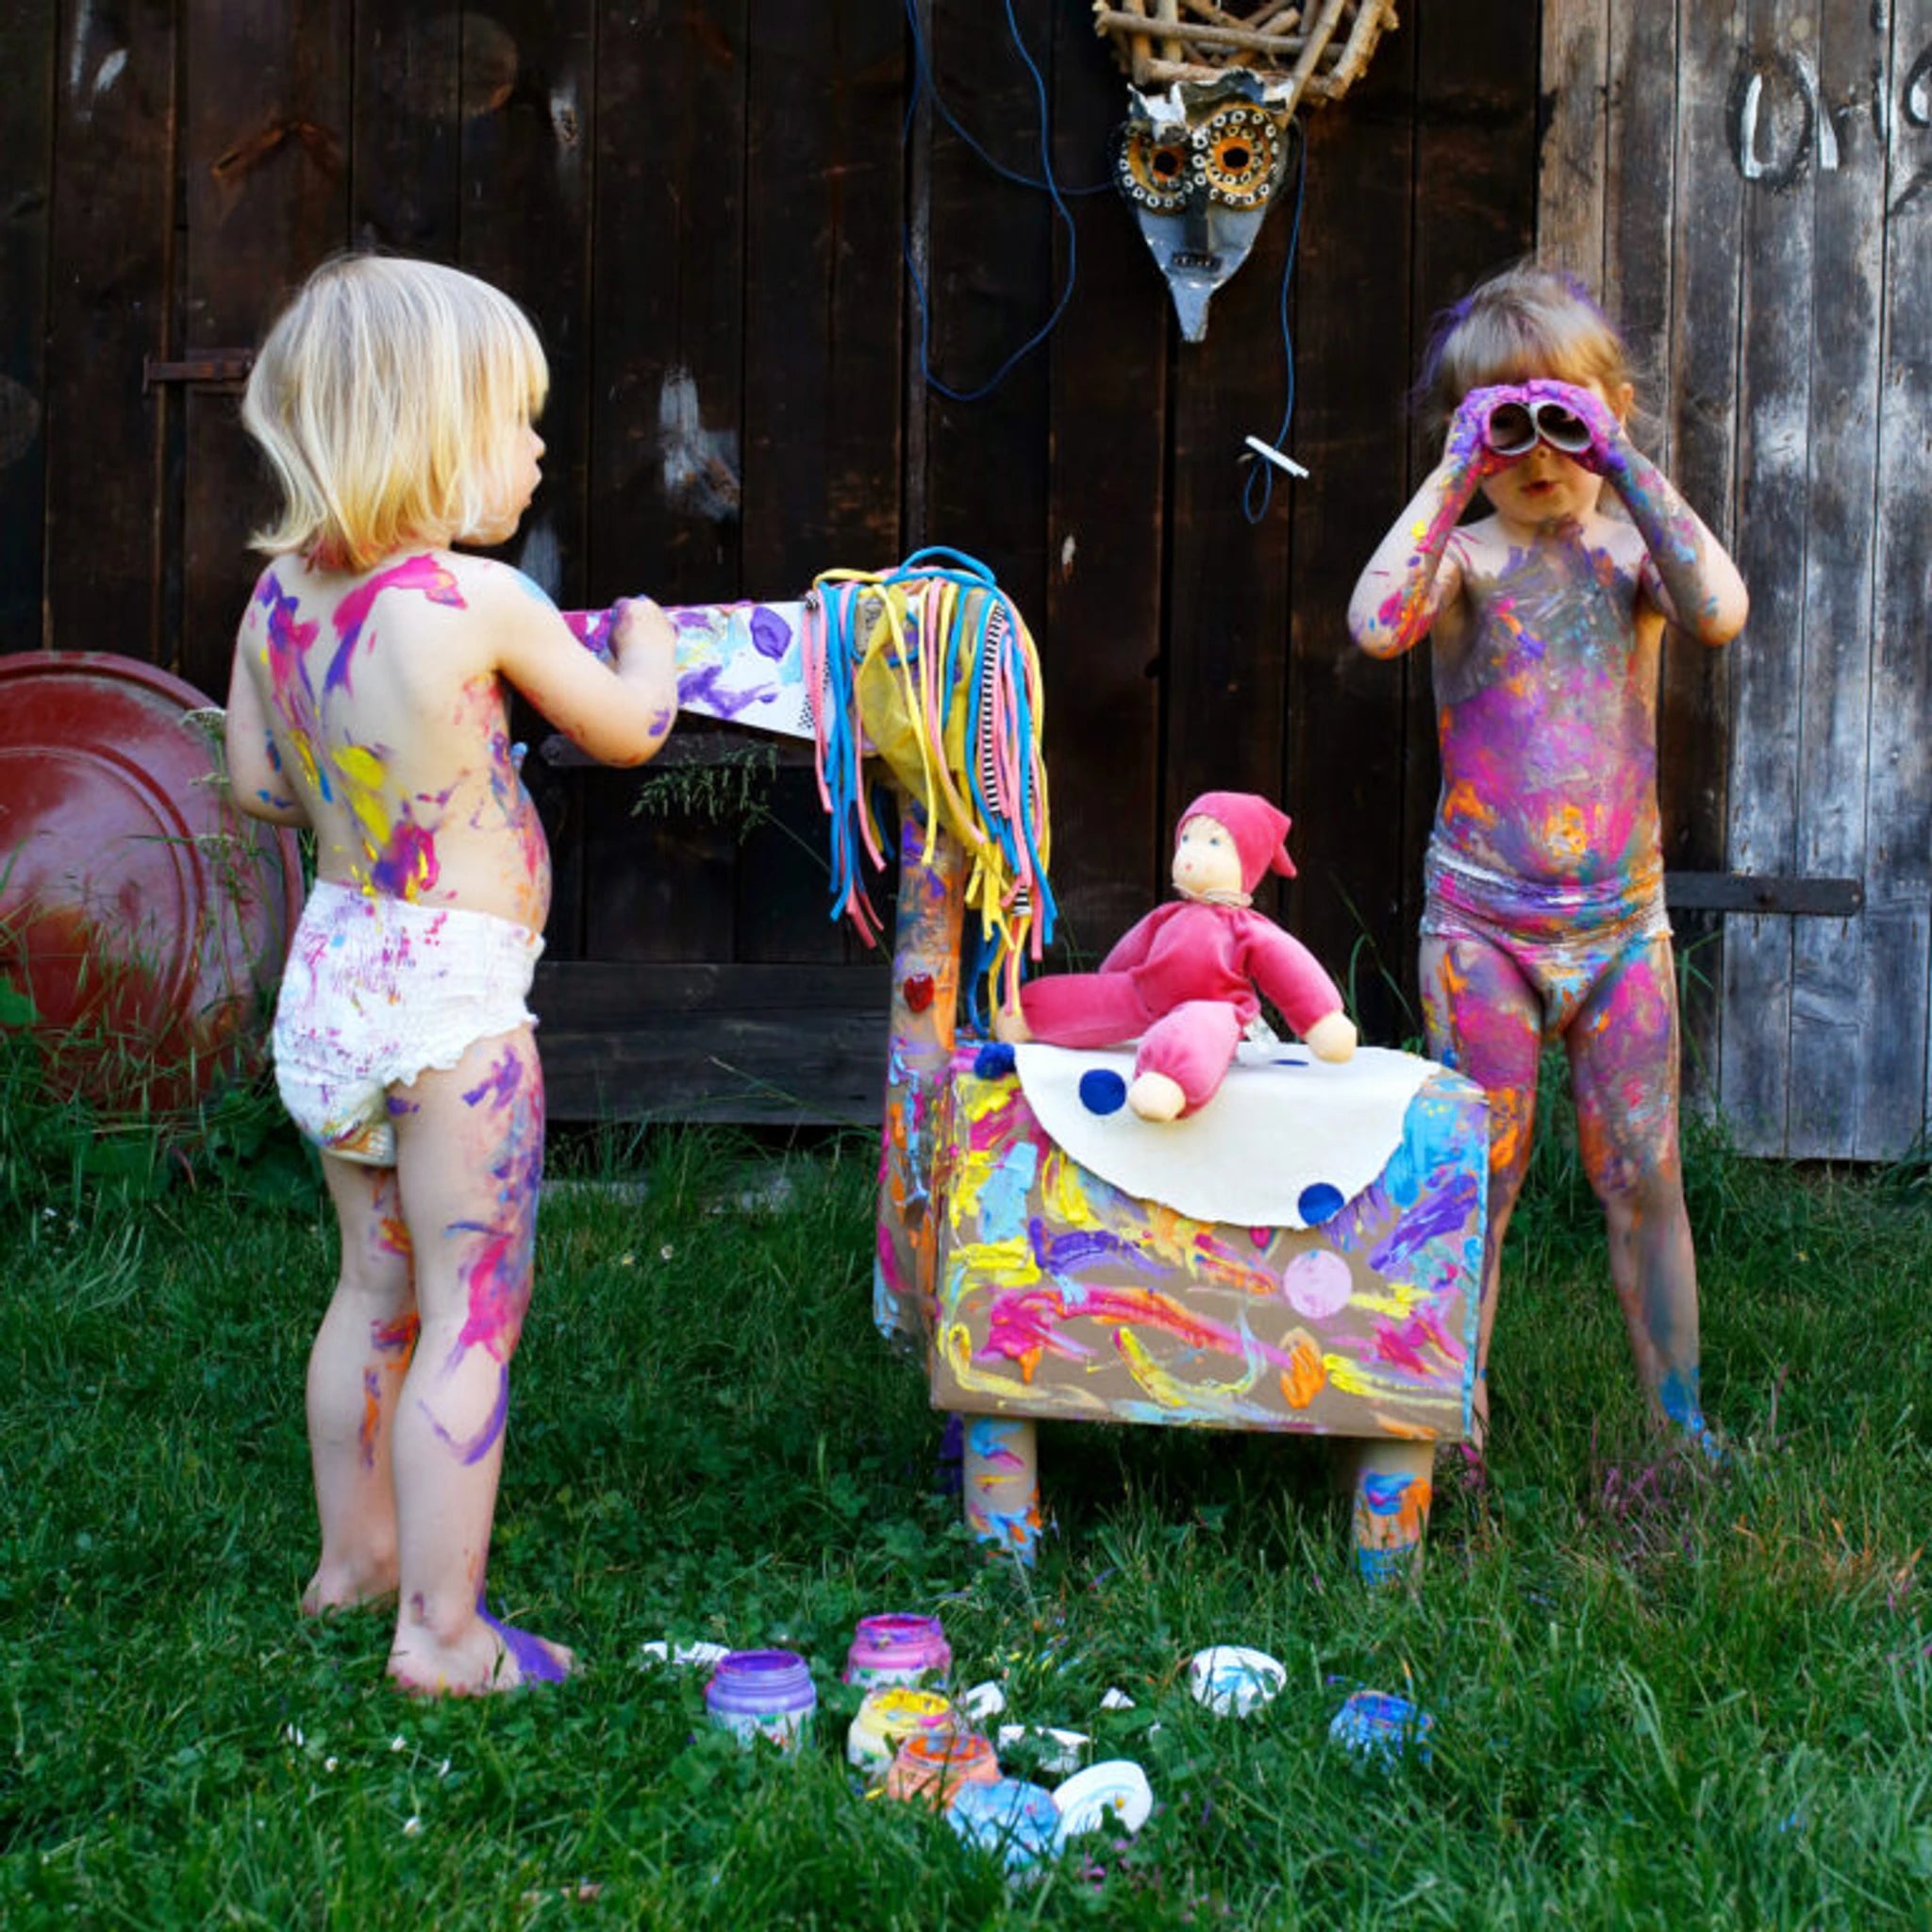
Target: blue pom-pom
x,y
1103,1090
993,1061
1319,1202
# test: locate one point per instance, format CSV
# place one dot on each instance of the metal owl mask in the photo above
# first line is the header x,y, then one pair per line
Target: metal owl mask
x,y
1199,165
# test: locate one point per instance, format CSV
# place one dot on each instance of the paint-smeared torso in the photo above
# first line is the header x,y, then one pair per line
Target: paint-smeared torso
x,y
1545,681
392,729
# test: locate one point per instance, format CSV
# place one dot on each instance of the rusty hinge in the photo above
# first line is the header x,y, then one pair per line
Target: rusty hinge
x,y
1749,891
206,368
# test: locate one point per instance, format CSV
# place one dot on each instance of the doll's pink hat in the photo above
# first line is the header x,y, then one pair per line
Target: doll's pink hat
x,y
1259,832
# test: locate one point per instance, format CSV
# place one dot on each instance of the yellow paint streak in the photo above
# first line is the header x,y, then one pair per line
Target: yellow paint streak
x,y
998,1264
1172,1391
1063,1194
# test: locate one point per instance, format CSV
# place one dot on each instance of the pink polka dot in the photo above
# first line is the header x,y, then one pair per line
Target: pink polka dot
x,y
1317,1283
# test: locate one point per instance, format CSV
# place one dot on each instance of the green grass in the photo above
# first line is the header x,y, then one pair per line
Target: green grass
x,y
1660,1699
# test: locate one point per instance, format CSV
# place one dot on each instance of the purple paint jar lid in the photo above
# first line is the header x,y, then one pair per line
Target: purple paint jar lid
x,y
760,1683
897,1648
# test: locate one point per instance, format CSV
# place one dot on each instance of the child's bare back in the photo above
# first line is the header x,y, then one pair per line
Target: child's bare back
x,y
383,693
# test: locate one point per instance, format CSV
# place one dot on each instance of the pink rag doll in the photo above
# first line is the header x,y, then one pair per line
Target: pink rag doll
x,y
1184,981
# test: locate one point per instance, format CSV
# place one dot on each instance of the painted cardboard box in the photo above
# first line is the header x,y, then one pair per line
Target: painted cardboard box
x,y
1058,1293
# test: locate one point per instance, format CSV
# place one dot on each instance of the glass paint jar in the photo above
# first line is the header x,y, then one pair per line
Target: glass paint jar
x,y
897,1649
762,1693
1017,1823
933,1767
887,1717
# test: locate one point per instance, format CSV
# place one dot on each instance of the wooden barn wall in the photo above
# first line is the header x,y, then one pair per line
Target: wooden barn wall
x,y
1752,184
710,210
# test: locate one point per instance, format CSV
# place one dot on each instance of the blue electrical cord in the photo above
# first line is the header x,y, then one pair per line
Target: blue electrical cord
x,y
1263,471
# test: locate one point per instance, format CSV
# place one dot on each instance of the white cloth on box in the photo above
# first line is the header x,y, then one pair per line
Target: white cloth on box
x,y
1284,1130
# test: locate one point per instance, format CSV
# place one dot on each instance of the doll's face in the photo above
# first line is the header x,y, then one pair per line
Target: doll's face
x,y
1206,858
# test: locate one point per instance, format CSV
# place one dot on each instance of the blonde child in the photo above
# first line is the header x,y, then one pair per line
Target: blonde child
x,y
1544,914
369,701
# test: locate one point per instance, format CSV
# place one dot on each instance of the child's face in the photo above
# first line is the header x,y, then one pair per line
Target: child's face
x,y
1546,488
513,483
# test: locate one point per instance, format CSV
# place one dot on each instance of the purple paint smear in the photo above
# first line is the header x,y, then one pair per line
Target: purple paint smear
x,y
500,1083
697,689
535,1663
771,635
473,1451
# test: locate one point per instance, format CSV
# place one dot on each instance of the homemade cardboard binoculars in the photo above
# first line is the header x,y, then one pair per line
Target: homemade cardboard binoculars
x,y
1513,428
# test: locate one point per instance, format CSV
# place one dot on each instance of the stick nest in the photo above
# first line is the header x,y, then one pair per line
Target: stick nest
x,y
1318,48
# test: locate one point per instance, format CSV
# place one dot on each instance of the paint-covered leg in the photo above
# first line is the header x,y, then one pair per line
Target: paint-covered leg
x,y
1393,1483
356,1367
1001,1474
1624,1059
469,1158
1485,1020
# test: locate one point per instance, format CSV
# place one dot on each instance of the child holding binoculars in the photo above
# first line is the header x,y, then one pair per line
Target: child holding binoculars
x,y
1545,913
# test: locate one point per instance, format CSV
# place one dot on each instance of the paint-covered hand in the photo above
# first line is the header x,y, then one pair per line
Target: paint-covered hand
x,y
1601,455
640,629
1468,448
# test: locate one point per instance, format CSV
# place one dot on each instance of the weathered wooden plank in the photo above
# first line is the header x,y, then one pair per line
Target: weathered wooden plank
x,y
1696,398
1102,617
1475,212
716,1043
112,238
666,287
28,36
1348,766
991,287
1896,996
406,131
1635,281
824,196
1770,551
267,176
1727,892
1226,653
1573,172
1830,1029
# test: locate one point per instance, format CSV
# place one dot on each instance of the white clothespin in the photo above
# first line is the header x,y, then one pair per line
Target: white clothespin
x,y
1268,453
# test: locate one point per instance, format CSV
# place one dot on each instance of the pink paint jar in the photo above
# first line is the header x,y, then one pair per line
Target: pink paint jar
x,y
762,1693
897,1649
935,1766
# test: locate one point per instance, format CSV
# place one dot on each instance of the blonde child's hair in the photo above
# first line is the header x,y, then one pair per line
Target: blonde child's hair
x,y
1522,324
387,399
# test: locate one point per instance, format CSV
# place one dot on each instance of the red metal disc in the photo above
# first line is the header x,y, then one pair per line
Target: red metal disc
x,y
147,917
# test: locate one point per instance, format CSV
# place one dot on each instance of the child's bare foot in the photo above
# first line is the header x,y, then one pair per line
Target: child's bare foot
x,y
348,1587
489,1656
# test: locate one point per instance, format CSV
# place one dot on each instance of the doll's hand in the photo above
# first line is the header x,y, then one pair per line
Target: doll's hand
x,y
1469,448
1331,1037
1558,406
1009,1025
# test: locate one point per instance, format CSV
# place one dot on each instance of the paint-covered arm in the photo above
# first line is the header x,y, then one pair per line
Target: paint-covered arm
x,y
1414,573
256,780
1692,579
620,712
